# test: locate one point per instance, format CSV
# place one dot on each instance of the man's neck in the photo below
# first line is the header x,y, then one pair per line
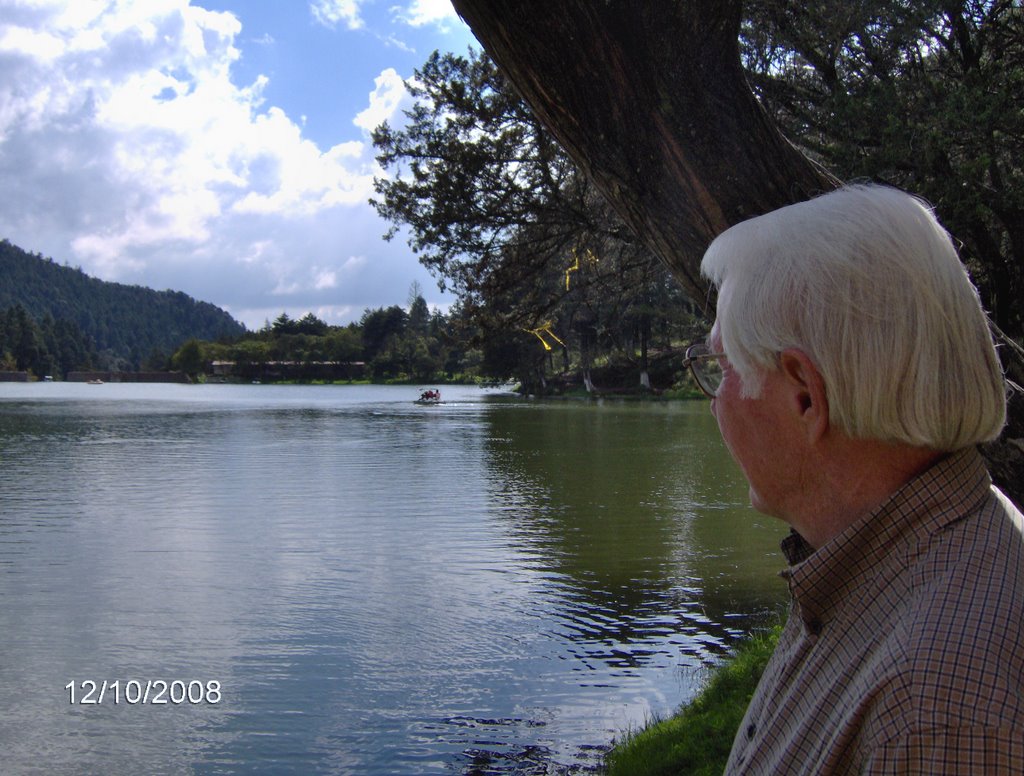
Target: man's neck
x,y
852,478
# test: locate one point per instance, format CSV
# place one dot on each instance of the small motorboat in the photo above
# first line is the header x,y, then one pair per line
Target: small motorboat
x,y
433,396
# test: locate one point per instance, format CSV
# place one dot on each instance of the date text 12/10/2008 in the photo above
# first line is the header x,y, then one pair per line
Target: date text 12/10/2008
x,y
157,692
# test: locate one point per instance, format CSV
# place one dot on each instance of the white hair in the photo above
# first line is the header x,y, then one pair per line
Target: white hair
x,y
866,282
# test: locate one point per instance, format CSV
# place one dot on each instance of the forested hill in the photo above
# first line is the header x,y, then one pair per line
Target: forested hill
x,y
130,323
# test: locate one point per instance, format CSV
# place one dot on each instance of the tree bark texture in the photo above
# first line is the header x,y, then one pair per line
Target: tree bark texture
x,y
650,100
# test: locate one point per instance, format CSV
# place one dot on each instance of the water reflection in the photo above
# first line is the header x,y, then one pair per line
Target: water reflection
x,y
641,512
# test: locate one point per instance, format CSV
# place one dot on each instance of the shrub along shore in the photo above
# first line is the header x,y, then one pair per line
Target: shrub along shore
x,y
697,739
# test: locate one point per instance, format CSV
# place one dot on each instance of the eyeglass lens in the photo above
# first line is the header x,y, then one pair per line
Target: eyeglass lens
x,y
708,371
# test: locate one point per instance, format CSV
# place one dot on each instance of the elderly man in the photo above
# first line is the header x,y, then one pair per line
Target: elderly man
x,y
852,374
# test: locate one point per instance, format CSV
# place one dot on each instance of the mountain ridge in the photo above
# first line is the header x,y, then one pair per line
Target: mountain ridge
x,y
127,323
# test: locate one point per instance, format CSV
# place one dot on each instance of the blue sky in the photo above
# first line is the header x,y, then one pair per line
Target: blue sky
x,y
216,147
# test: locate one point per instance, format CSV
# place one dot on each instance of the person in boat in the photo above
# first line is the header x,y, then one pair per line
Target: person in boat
x,y
853,375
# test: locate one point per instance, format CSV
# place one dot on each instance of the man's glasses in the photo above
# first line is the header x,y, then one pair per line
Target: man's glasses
x,y
706,368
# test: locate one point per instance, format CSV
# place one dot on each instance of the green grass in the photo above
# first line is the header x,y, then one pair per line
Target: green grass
x,y
697,739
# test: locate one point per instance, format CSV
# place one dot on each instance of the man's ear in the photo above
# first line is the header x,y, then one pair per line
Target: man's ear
x,y
808,391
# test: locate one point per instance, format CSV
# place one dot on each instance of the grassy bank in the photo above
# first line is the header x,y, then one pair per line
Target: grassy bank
x,y
697,739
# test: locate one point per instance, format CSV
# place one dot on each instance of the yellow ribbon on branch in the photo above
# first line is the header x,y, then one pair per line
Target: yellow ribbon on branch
x,y
539,333
589,256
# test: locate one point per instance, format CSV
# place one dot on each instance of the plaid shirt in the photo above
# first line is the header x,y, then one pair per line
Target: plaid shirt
x,y
904,648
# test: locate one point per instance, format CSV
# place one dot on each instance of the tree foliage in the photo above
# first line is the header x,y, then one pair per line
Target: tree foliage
x,y
923,95
500,214
46,347
474,172
389,343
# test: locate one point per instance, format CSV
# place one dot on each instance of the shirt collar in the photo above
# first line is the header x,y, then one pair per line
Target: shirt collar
x,y
820,580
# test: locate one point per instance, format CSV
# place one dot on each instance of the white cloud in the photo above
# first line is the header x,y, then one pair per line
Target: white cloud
x,y
325,279
136,98
418,13
336,312
37,45
330,13
423,12
395,42
388,94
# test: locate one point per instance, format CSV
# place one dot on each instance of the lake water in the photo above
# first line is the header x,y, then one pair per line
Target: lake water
x,y
334,580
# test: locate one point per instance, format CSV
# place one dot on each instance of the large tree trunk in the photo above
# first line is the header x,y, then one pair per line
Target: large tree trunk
x,y
650,100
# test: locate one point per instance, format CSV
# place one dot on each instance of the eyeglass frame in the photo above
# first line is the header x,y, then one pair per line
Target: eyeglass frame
x,y
691,360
